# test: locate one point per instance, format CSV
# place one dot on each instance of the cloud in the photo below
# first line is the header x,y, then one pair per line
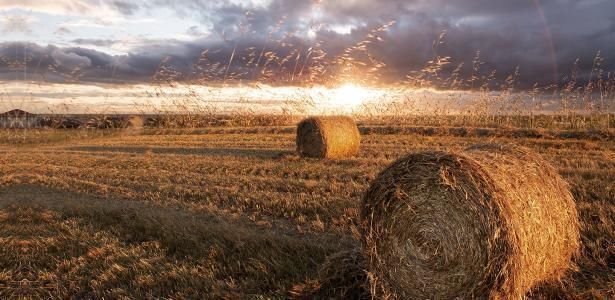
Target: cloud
x,y
125,7
196,31
70,60
62,31
543,38
94,42
56,64
93,22
16,24
65,7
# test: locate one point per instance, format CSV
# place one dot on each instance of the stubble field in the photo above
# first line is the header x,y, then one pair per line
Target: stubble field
x,y
234,213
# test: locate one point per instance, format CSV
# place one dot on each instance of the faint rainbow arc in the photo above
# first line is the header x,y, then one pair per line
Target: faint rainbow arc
x,y
549,40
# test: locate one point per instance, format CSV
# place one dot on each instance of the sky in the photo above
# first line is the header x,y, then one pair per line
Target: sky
x,y
300,42
120,40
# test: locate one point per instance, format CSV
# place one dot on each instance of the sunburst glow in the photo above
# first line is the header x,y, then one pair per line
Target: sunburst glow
x,y
351,95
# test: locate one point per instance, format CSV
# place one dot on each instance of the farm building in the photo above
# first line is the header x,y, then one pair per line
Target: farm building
x,y
18,118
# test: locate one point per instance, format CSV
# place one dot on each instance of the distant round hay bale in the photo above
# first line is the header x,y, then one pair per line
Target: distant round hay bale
x,y
491,222
135,122
328,137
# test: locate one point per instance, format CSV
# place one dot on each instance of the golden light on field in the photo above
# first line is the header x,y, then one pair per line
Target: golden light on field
x,y
350,94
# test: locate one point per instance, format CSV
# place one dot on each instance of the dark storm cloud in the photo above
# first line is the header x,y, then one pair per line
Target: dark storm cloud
x,y
542,37
97,59
508,33
94,42
151,61
57,64
70,60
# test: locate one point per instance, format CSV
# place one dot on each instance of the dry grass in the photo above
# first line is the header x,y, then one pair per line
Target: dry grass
x,y
342,275
235,212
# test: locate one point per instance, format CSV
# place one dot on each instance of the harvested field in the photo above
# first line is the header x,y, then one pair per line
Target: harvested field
x,y
238,214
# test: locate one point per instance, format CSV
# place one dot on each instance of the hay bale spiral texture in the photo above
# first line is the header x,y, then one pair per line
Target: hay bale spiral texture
x,y
490,222
328,137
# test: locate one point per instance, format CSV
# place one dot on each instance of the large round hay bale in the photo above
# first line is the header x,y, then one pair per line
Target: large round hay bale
x,y
328,137
490,222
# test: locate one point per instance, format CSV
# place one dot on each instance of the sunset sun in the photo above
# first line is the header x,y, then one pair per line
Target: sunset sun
x,y
350,94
